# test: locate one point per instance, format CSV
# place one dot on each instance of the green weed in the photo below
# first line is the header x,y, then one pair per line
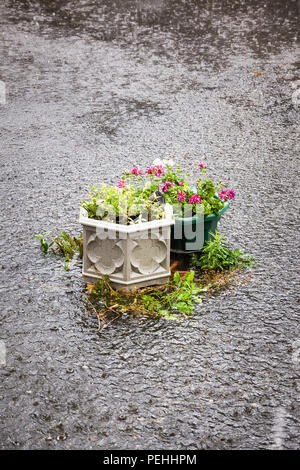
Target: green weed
x,y
45,245
67,246
216,256
170,301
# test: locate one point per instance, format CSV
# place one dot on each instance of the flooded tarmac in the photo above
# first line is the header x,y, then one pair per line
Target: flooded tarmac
x,y
90,88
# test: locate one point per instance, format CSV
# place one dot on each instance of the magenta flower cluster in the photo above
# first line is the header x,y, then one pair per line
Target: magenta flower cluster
x,y
166,186
181,196
226,194
155,170
136,171
195,199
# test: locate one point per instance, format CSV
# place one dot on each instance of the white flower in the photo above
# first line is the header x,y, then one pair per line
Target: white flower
x,y
163,162
146,186
157,161
169,162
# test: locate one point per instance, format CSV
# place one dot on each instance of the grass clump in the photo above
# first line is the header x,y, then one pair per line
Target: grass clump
x,y
216,256
63,244
67,246
44,243
170,301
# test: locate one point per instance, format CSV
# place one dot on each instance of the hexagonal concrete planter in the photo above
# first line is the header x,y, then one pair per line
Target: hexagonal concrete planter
x,y
132,256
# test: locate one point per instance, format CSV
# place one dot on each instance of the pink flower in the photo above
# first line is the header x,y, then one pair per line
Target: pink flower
x,y
155,170
202,165
159,170
226,194
151,170
136,171
121,184
181,183
195,199
166,185
181,196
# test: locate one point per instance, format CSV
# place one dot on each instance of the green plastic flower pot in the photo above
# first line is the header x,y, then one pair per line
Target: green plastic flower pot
x,y
187,227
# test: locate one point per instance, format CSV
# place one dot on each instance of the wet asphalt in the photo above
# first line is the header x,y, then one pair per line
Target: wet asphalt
x,y
87,89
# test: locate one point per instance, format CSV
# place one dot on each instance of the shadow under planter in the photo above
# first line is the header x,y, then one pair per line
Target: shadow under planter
x,y
136,255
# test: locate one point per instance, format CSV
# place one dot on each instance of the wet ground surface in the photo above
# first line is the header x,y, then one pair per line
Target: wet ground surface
x,y
95,87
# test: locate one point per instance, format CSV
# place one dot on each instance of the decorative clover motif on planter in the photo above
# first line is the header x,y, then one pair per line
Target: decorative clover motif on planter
x,y
132,256
147,255
105,254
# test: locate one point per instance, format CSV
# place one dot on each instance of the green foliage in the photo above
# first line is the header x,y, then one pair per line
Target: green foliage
x,y
186,294
133,199
173,300
207,191
179,179
123,205
67,246
44,244
64,245
66,266
217,256
174,174
170,301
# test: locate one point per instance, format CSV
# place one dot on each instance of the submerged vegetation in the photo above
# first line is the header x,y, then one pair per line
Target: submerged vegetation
x,y
169,301
44,243
63,244
67,246
214,269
